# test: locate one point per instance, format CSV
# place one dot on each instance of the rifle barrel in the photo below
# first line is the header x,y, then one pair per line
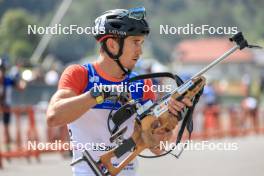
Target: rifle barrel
x,y
205,69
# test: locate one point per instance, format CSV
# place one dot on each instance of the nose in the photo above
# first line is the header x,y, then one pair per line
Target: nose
x,y
139,49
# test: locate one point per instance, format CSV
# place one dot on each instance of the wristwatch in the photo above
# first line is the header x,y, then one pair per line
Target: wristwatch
x,y
97,95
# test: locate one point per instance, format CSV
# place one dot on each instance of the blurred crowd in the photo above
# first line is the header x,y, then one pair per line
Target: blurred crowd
x,y
236,118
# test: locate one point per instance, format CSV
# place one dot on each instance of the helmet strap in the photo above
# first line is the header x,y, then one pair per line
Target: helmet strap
x,y
117,56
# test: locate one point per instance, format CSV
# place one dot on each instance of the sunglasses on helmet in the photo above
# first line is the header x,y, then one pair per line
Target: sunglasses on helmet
x,y
137,13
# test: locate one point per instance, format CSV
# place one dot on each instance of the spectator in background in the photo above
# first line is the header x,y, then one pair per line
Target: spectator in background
x,y
7,83
211,110
250,112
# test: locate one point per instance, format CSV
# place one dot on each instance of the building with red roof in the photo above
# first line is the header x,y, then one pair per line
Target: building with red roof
x,y
190,56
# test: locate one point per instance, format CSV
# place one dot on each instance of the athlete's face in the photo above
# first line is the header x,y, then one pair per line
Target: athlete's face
x,y
131,51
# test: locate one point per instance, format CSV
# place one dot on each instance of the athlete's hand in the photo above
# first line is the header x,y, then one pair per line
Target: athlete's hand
x,y
176,106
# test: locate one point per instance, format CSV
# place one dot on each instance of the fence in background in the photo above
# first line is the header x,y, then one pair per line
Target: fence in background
x,y
29,125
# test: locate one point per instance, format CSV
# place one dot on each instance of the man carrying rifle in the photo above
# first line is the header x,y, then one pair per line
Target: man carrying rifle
x,y
84,108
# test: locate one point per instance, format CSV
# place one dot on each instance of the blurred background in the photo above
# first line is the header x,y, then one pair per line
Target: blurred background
x,y
231,108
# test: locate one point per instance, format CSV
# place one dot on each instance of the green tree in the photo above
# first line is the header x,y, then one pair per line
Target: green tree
x,y
14,38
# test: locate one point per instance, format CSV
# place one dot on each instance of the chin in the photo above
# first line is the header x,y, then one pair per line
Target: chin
x,y
131,67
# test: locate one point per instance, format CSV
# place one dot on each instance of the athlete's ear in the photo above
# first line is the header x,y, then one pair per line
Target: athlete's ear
x,y
112,45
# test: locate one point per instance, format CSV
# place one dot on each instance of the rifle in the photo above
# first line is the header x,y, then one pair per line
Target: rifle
x,y
153,118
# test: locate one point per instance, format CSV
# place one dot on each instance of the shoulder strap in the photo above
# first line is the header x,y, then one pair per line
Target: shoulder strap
x,y
158,75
